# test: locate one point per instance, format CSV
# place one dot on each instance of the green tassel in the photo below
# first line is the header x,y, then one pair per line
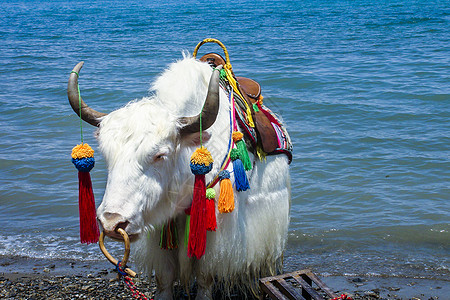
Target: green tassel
x,y
240,145
161,238
186,231
223,74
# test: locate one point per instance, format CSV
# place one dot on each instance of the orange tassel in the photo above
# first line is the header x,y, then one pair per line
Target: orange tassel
x,y
226,197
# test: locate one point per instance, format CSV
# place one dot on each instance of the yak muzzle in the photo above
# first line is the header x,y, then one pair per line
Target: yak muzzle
x,y
111,222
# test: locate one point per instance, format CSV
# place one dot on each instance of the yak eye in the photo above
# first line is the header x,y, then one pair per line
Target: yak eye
x,y
159,157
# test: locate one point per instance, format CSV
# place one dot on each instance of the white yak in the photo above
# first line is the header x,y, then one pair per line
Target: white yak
x,y
147,145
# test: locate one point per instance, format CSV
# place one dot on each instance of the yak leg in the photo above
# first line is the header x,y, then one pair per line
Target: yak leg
x,y
164,287
165,277
165,264
205,284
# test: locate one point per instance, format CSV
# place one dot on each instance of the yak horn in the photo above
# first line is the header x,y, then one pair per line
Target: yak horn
x,y
89,115
209,111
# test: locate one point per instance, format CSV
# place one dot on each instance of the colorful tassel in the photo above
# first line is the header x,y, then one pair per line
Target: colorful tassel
x,y
211,223
240,145
83,159
197,225
223,74
187,211
240,177
169,236
201,164
226,197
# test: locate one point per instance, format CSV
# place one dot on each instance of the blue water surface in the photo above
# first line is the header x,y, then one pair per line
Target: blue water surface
x,y
363,87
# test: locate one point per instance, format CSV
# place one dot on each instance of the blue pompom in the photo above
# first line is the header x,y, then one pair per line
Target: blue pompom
x,y
200,169
225,174
84,164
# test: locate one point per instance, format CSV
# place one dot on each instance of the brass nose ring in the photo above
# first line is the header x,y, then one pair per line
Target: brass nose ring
x,y
126,255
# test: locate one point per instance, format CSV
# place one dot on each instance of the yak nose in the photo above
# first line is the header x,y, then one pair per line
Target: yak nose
x,y
111,222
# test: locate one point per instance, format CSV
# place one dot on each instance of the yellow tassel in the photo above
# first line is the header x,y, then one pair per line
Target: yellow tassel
x,y
261,154
226,197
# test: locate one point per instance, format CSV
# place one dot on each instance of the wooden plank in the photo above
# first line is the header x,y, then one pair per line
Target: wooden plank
x,y
321,285
307,288
292,274
272,291
277,287
306,277
288,289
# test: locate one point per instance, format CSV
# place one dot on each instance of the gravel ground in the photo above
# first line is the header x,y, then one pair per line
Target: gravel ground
x,y
22,278
78,287
100,286
67,287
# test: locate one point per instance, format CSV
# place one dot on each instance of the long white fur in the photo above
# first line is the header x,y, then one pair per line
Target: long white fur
x,y
149,182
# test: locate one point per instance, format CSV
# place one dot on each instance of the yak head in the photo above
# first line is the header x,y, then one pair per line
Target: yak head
x,y
142,145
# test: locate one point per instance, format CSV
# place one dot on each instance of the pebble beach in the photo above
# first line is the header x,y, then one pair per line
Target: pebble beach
x,y
23,278
58,279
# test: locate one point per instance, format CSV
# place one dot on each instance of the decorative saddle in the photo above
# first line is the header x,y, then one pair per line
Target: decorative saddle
x,y
266,132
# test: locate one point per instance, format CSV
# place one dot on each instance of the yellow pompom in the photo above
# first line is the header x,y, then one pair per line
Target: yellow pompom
x,y
201,156
237,136
82,151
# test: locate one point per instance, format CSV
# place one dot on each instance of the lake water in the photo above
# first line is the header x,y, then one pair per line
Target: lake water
x,y
363,87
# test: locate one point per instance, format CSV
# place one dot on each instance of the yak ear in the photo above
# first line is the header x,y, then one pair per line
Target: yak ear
x,y
193,139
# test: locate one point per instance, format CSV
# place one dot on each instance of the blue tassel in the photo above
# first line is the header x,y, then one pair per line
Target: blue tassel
x,y
240,177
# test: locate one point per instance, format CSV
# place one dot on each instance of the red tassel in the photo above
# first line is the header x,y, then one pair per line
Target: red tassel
x,y
211,223
197,226
210,215
89,232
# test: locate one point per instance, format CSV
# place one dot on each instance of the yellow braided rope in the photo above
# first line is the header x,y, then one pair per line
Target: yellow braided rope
x,y
210,40
232,82
229,70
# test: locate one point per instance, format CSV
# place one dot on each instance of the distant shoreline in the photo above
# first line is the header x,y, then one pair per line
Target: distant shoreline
x,y
52,278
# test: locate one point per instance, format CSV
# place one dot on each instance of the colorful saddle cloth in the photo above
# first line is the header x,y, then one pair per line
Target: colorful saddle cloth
x,y
265,134
268,134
